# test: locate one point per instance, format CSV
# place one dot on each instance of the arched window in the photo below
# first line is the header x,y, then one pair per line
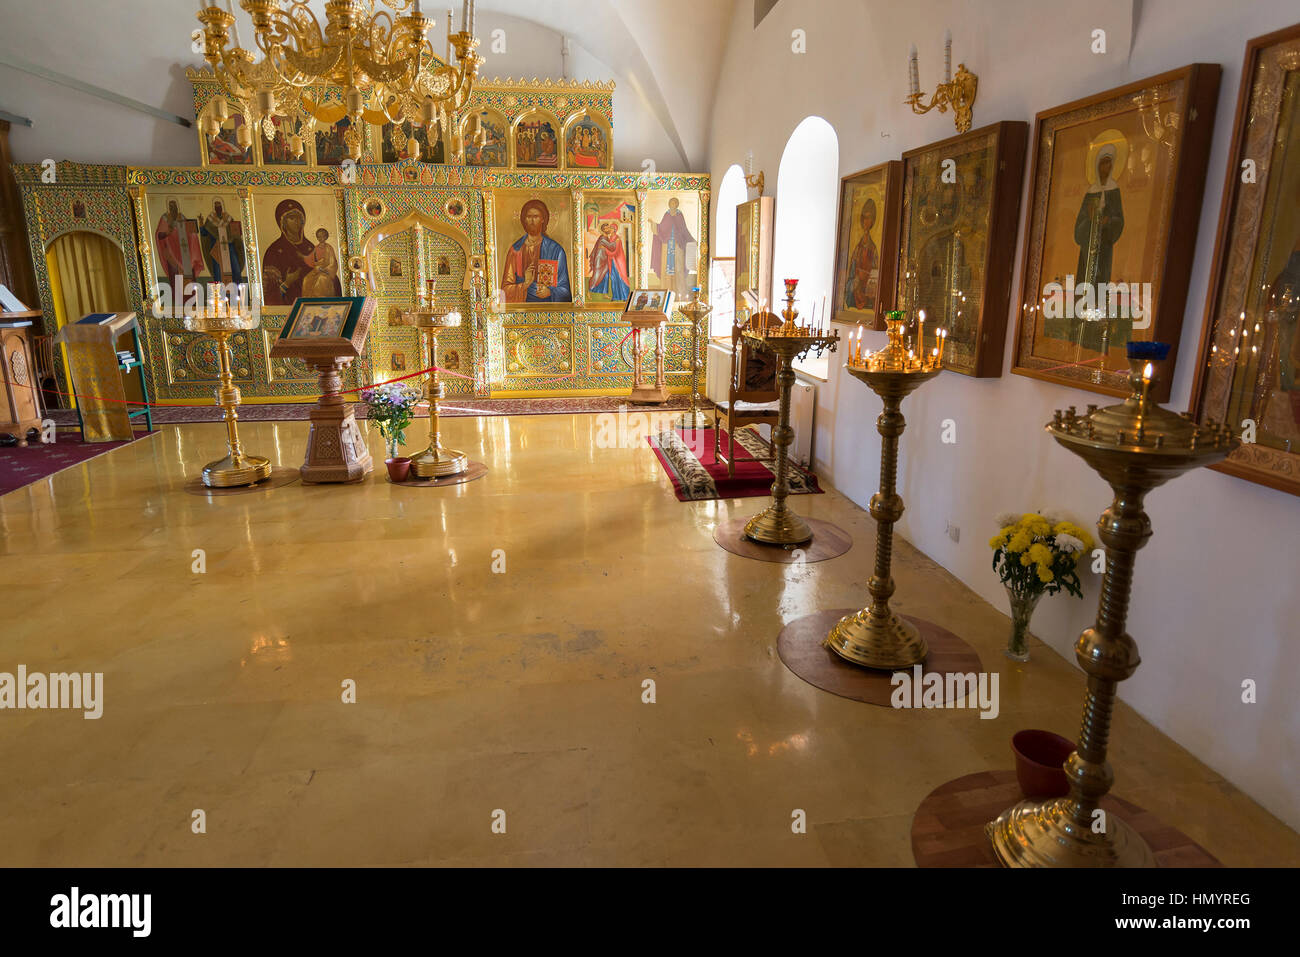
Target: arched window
x,y
722,278
807,191
731,194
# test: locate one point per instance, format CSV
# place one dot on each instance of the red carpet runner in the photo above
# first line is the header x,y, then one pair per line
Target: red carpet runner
x,y
19,467
687,457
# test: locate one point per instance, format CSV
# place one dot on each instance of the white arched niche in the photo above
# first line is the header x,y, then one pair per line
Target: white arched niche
x,y
807,192
722,280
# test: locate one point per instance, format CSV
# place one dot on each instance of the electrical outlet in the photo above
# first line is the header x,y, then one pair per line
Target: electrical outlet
x,y
954,532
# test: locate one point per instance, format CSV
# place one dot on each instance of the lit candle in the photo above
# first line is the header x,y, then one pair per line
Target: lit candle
x,y
943,341
859,352
934,358
947,56
920,331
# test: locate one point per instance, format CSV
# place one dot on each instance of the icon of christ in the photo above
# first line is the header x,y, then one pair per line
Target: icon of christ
x,y
536,269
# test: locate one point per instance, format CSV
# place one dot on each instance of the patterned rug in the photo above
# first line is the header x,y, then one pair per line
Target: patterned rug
x,y
687,457
453,406
19,466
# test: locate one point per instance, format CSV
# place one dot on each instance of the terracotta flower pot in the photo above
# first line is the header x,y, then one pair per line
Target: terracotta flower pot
x,y
1040,756
398,468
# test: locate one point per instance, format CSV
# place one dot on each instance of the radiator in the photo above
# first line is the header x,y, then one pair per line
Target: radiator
x,y
803,401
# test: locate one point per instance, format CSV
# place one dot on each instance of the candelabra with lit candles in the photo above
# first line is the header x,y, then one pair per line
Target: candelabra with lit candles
x,y
787,340
876,636
221,317
1135,446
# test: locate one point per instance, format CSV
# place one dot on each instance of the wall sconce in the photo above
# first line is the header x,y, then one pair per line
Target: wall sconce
x,y
753,180
957,92
1161,127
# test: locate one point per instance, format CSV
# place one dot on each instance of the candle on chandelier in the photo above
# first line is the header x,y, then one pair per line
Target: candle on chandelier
x,y
947,56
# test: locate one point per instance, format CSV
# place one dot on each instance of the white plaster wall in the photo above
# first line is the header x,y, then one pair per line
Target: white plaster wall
x,y
1216,598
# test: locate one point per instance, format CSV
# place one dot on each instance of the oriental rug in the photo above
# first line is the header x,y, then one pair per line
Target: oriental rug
x,y
697,476
23,466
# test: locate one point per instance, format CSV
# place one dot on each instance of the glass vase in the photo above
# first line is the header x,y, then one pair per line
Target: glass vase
x,y
390,443
1022,609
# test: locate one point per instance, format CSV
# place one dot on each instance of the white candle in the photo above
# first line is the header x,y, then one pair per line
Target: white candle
x,y
912,78
947,56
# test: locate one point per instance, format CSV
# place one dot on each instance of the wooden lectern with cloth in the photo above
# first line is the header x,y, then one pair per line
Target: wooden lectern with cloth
x,y
96,369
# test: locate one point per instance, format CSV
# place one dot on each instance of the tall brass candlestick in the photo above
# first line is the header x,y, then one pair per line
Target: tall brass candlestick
x,y
695,310
778,524
237,468
876,637
437,460
1135,446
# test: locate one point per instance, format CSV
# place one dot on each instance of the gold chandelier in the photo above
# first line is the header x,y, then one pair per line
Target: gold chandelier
x,y
382,60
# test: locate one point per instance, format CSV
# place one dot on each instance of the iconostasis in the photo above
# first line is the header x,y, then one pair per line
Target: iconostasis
x,y
513,210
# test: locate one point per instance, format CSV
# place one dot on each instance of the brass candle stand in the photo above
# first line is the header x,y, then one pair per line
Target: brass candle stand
x,y
219,320
777,524
1135,446
436,461
876,636
695,310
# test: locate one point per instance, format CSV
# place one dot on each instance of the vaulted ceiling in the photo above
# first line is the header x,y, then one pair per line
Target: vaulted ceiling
x,y
664,57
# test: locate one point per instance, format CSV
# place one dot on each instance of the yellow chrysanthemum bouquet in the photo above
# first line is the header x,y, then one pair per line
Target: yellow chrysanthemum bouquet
x,y
1036,554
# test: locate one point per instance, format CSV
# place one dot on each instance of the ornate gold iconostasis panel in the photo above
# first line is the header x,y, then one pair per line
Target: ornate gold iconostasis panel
x,y
295,231
529,124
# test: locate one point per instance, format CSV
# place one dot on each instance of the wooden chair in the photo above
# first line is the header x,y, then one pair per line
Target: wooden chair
x,y
752,393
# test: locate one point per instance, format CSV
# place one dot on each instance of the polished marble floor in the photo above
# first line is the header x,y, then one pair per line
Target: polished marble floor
x,y
480,688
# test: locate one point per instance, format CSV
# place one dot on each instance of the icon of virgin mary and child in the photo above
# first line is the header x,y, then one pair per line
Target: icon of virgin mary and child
x,y
536,269
293,266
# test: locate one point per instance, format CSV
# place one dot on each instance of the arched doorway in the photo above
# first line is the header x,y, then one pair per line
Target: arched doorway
x,y
87,273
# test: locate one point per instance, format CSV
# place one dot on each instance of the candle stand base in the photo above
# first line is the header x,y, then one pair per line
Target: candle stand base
x,y
778,526
237,469
886,643
438,462
1046,834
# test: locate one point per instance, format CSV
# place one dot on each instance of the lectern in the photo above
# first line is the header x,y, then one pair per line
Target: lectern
x,y
97,369
328,334
647,312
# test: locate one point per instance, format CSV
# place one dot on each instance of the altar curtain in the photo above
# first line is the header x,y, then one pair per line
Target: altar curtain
x,y
87,274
